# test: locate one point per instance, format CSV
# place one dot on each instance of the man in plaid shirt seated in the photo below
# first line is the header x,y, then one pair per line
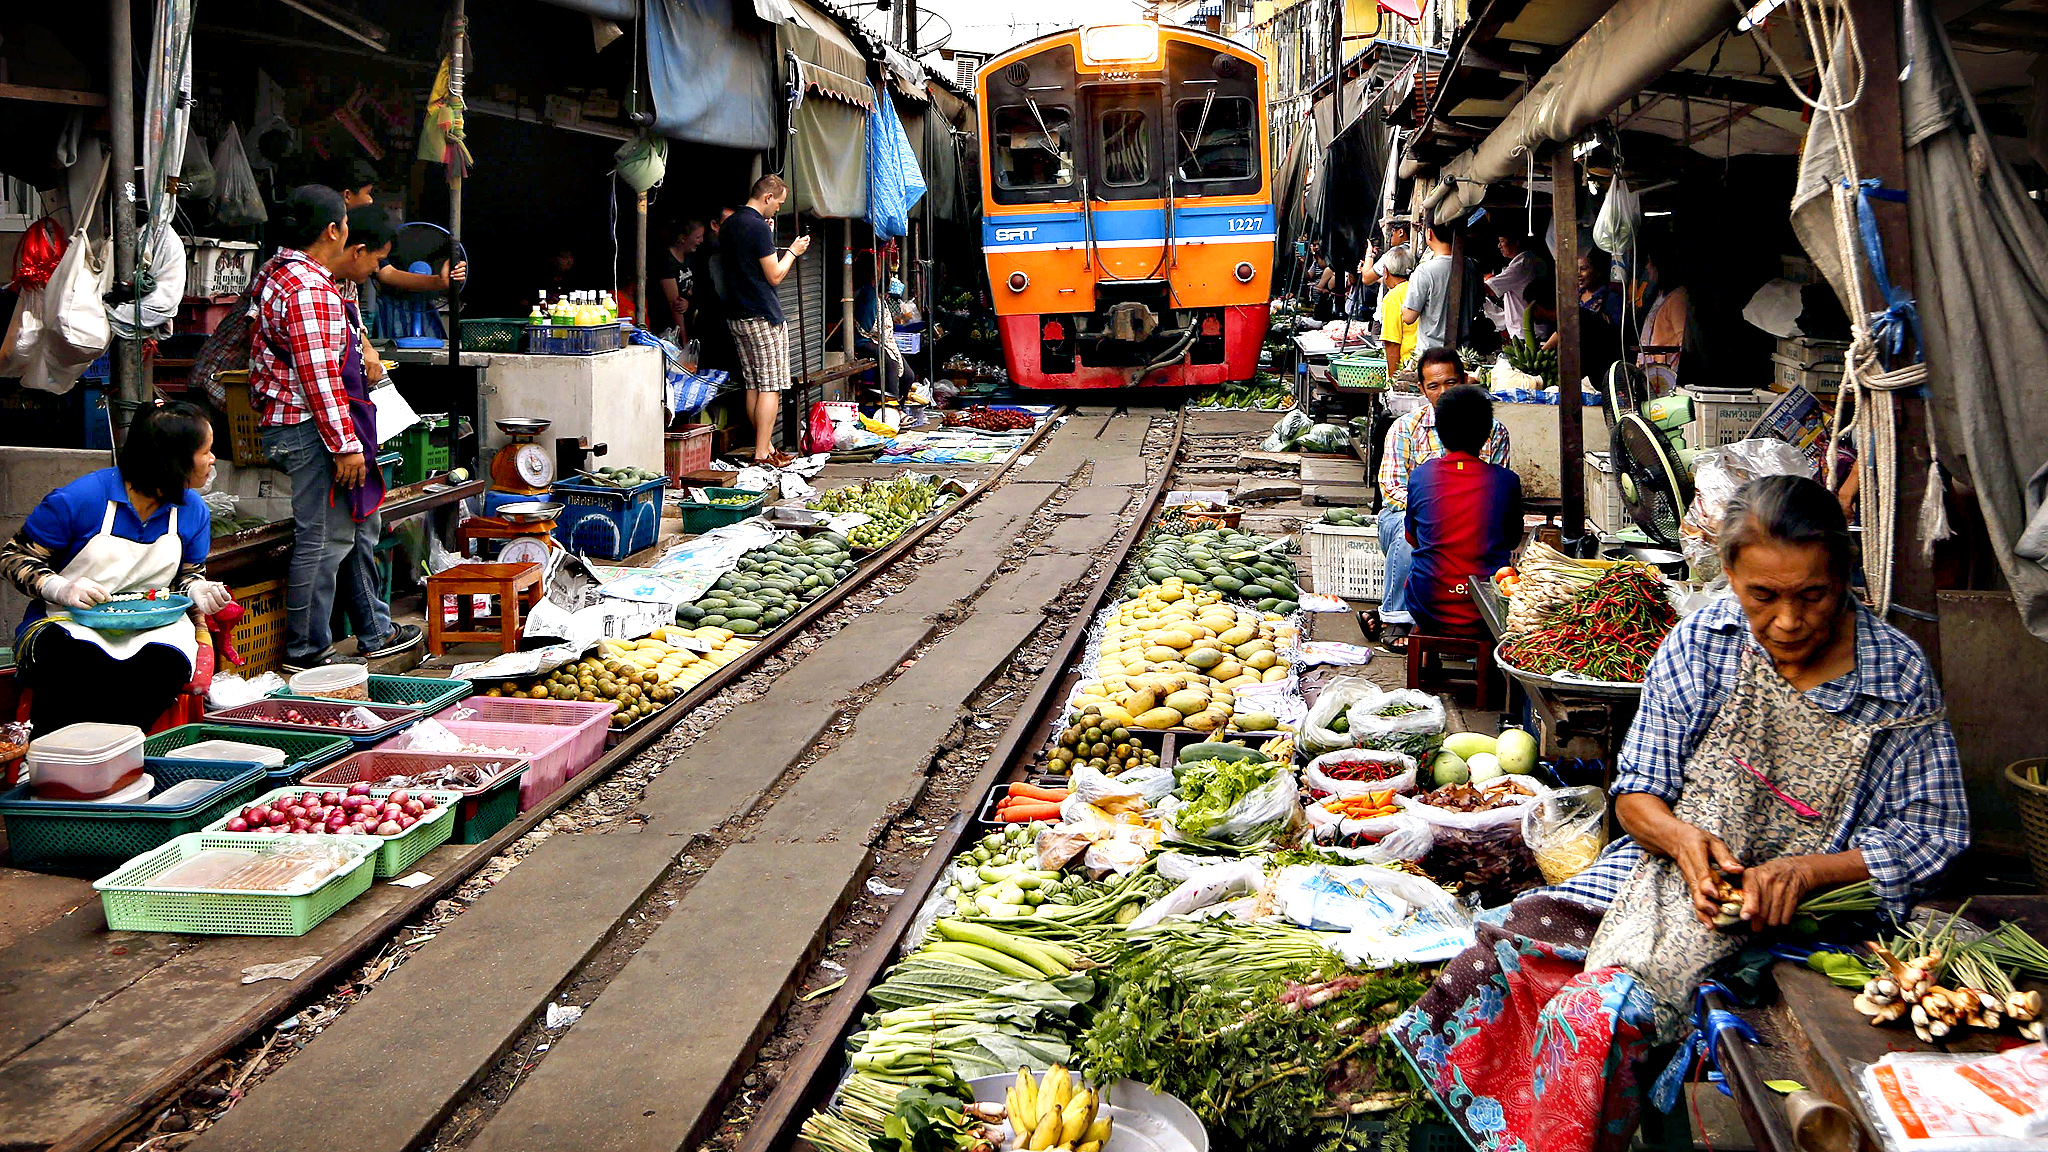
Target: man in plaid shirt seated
x,y
295,359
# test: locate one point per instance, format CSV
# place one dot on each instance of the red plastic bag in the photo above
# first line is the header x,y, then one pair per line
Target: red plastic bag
x,y
42,248
822,431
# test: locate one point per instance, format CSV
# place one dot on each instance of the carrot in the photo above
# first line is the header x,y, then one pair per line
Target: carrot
x,y
1025,811
1024,790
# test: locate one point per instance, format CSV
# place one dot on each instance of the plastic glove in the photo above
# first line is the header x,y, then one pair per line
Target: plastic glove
x,y
208,596
79,593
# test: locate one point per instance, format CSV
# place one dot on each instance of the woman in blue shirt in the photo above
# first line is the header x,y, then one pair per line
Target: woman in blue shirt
x,y
131,528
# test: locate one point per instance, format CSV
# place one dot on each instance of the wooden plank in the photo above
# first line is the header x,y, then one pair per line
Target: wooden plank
x,y
1571,432
1338,494
1337,471
37,95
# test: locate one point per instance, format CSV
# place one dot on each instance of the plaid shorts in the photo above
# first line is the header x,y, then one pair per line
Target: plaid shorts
x,y
764,353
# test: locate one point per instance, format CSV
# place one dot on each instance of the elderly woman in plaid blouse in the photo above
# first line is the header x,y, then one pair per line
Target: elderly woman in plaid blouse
x,y
1789,741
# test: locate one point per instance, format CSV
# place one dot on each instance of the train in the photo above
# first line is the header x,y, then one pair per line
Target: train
x,y
1127,207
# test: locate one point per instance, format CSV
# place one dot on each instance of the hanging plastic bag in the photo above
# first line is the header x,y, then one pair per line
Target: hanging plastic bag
x,y
642,162
237,198
1404,720
1370,770
1621,215
1566,830
75,329
196,179
1716,477
151,316
1332,704
22,347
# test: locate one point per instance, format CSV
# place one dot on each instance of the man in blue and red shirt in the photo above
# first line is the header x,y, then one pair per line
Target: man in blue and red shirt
x,y
1464,517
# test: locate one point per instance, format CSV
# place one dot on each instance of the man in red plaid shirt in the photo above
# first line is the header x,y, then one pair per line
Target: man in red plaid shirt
x,y
295,358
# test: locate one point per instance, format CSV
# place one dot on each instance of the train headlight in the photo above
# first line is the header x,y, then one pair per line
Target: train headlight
x,y
1245,272
1120,44
1018,281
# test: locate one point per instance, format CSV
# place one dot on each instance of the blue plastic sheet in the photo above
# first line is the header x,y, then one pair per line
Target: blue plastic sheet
x,y
894,182
710,71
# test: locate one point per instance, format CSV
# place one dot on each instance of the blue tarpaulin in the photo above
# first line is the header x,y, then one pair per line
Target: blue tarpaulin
x,y
894,182
709,68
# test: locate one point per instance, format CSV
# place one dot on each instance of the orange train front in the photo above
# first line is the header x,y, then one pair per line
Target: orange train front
x,y
1127,215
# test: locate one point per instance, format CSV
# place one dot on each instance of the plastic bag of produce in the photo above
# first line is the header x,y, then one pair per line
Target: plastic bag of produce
x,y
1404,720
1400,836
1286,431
1134,791
1211,882
1566,829
1351,772
1621,213
1383,916
1318,736
1223,804
1480,852
1331,438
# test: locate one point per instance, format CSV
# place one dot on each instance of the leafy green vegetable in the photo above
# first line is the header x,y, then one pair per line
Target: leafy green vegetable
x,y
924,1121
1210,788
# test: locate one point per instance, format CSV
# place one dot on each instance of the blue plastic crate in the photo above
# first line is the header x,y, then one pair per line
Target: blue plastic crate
x,y
98,432
573,340
608,523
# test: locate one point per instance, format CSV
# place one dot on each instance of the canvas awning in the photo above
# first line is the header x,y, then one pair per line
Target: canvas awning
x,y
826,59
709,73
1629,47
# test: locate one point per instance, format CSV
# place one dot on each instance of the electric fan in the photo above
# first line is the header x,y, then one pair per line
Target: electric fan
x,y
1628,389
413,319
1654,475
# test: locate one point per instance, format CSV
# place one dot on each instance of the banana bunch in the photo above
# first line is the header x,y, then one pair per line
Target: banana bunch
x,y
1053,1115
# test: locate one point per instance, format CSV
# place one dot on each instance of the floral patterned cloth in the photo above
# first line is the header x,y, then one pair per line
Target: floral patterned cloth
x,y
1525,1048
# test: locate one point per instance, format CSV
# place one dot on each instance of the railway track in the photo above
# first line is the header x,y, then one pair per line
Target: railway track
x,y
1003,615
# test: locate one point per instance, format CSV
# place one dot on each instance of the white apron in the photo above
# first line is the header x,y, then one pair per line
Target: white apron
x,y
125,566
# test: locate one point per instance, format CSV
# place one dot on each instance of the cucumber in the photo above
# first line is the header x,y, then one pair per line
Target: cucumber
x,y
1198,752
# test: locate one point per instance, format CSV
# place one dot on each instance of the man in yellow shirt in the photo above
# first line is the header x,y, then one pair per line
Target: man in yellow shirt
x,y
1396,334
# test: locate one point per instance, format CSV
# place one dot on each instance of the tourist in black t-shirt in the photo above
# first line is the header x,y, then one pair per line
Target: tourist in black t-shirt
x,y
754,267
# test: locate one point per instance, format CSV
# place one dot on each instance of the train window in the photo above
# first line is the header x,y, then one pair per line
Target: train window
x,y
1126,148
1216,138
1034,147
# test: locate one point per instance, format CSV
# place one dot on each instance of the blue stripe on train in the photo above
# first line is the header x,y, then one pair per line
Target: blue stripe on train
x,y
1112,224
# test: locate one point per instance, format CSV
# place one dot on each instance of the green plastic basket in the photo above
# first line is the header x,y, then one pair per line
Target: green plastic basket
x,y
69,836
429,694
701,518
303,751
398,852
1365,373
493,334
131,907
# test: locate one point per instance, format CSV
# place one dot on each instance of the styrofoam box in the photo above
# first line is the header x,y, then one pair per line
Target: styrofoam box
x,y
218,267
1724,416
1603,495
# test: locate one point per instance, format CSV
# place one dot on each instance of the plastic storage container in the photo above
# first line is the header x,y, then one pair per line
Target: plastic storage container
x,y
84,761
302,751
483,810
1345,561
686,451
271,759
132,905
338,681
75,834
578,340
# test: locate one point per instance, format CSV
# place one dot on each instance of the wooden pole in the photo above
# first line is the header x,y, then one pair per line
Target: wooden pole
x,y
1571,416
1874,130
640,312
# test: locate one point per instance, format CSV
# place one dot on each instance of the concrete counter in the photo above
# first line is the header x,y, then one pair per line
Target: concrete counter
x,y
613,398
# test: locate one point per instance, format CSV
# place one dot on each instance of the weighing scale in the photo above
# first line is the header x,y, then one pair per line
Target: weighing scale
x,y
518,511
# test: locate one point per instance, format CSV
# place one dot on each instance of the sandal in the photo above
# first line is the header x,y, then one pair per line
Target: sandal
x,y
1369,623
1395,637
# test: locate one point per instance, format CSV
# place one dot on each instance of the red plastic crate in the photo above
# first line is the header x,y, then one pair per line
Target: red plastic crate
x,y
270,713
559,737
686,451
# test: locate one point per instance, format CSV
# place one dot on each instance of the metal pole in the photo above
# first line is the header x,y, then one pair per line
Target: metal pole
x,y
460,24
846,320
132,389
1571,413
910,27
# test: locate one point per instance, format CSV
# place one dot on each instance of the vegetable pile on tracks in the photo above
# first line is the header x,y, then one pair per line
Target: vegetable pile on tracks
x,y
891,507
991,419
770,584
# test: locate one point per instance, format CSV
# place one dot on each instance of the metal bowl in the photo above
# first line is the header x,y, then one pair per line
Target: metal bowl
x,y
529,511
517,427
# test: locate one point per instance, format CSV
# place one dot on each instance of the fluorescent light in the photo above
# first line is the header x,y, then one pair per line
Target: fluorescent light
x,y
1756,14
1658,212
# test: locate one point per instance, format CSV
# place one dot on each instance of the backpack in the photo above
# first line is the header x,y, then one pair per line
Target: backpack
x,y
227,349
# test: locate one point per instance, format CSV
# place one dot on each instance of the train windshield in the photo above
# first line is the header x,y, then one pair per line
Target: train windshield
x,y
1126,148
1216,138
1034,147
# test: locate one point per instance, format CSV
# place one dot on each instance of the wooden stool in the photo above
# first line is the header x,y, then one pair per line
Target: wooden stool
x,y
1426,670
508,582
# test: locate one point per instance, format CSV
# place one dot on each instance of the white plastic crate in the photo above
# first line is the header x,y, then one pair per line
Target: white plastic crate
x,y
218,267
1822,378
1345,561
1723,417
1603,496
